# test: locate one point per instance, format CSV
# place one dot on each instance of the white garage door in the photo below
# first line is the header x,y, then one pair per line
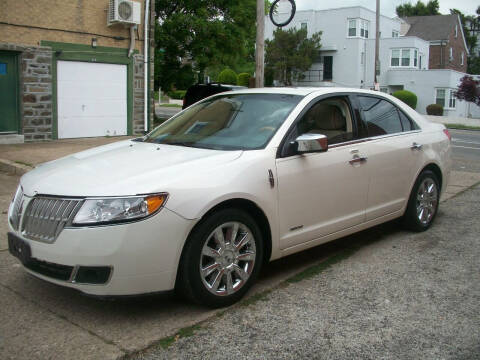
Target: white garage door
x,y
92,99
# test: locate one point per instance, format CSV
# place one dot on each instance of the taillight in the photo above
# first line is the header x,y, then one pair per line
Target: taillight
x,y
446,132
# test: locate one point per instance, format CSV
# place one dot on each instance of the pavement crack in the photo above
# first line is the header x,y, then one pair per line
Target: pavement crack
x,y
63,317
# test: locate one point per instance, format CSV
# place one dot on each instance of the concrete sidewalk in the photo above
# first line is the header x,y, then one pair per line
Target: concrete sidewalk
x,y
20,158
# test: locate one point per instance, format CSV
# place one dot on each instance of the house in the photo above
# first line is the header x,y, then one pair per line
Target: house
x,y
407,59
71,69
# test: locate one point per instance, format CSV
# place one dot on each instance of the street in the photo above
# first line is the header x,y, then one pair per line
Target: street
x,y
391,282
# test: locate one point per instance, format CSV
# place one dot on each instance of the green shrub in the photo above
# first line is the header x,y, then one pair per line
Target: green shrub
x,y
177,94
435,109
227,76
407,97
269,75
243,79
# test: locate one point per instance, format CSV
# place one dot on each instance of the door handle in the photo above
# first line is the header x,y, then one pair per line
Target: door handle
x,y
416,146
359,159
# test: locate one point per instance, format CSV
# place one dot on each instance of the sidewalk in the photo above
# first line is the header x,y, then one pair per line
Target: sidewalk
x,y
20,158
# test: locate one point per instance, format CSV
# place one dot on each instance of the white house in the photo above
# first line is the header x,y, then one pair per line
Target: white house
x,y
347,57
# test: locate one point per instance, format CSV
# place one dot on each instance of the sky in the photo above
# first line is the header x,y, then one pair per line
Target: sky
x,y
387,7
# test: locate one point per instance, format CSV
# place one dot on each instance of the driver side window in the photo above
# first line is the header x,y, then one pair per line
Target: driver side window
x,y
330,117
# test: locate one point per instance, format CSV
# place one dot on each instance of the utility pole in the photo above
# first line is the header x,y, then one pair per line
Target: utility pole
x,y
377,44
260,44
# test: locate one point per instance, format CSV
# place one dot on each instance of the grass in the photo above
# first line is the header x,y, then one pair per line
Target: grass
x,y
462,127
171,105
24,163
318,268
261,296
182,333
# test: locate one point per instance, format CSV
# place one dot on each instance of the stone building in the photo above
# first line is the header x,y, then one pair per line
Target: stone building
x,y
74,68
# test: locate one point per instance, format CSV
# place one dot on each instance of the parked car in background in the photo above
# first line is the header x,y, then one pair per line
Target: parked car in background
x,y
232,182
201,91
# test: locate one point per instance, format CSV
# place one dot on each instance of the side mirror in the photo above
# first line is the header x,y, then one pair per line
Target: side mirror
x,y
308,143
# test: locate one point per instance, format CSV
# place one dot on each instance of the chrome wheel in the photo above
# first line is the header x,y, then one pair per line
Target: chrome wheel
x,y
227,259
427,199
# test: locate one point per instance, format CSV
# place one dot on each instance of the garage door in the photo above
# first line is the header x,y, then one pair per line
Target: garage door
x,y
91,99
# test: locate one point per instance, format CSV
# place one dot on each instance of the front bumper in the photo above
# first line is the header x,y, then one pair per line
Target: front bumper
x,y
143,256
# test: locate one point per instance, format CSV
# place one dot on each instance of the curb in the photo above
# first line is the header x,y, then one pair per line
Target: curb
x,y
11,167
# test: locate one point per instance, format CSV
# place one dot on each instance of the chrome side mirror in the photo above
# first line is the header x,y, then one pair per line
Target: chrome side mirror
x,y
308,143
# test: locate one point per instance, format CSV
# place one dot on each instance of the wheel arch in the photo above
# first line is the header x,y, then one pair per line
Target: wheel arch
x,y
436,170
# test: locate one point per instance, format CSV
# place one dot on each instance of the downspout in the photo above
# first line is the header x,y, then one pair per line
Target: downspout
x,y
146,62
132,40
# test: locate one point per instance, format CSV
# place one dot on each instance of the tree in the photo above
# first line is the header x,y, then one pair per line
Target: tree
x,y
468,90
291,53
419,9
201,33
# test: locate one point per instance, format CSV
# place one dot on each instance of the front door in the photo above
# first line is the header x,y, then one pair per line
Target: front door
x,y
8,93
322,193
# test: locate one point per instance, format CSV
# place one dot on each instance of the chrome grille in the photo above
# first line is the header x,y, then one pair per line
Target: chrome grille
x,y
45,217
17,209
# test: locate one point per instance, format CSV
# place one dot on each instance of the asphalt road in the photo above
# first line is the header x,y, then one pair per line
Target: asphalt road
x,y
466,150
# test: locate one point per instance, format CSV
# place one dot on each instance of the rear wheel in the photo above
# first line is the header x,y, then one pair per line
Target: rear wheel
x,y
221,259
423,202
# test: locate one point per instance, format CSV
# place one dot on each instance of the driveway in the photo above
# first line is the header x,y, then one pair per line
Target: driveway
x,y
60,323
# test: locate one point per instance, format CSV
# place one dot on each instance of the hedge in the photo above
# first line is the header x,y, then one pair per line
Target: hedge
x,y
227,76
435,109
243,79
407,97
177,94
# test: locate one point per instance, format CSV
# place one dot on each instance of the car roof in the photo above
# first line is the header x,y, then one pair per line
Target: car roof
x,y
304,91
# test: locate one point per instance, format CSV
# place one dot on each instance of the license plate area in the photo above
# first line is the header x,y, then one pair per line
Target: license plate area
x,y
19,248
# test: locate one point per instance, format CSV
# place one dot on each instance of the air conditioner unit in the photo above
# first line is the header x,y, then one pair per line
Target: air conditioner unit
x,y
123,12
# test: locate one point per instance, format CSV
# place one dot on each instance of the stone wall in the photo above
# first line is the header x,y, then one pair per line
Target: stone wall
x,y
138,100
35,72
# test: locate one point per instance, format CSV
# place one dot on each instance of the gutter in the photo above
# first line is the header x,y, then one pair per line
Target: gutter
x,y
146,62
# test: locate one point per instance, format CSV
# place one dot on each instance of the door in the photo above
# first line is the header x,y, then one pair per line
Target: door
x,y
327,67
92,99
392,155
8,93
322,193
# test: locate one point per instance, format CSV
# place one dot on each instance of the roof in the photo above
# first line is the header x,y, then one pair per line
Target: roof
x,y
431,28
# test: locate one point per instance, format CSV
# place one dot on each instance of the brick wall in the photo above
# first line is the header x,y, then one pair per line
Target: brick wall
x,y
35,72
28,23
440,54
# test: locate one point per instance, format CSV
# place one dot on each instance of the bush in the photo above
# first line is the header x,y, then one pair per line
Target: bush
x,y
243,79
435,109
177,94
227,76
407,97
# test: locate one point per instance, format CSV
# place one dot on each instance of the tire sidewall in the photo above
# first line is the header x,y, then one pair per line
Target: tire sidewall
x,y
410,219
191,278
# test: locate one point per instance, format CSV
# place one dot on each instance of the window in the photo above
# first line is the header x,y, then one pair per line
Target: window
x,y
303,26
462,58
363,27
404,58
352,27
456,30
381,117
395,58
446,98
451,54
395,34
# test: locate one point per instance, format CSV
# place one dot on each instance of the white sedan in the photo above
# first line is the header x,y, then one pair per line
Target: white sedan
x,y
234,181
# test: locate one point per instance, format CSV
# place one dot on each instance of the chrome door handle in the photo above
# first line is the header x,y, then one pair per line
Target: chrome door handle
x,y
416,146
358,159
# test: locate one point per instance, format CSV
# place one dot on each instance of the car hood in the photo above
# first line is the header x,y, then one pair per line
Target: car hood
x,y
122,168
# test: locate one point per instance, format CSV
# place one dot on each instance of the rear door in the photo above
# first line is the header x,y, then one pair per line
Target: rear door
x,y
392,155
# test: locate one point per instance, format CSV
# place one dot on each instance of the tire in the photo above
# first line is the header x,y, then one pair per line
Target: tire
x,y
219,275
423,202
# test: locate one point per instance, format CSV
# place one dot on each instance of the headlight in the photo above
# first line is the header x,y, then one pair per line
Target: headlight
x,y
121,209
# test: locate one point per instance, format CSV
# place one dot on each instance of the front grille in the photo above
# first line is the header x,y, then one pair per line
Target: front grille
x,y
45,217
17,209
55,271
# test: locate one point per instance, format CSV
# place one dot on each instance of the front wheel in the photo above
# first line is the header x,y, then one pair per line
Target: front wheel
x,y
221,259
423,202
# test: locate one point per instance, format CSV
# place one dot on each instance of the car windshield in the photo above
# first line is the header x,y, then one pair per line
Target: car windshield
x,y
227,122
